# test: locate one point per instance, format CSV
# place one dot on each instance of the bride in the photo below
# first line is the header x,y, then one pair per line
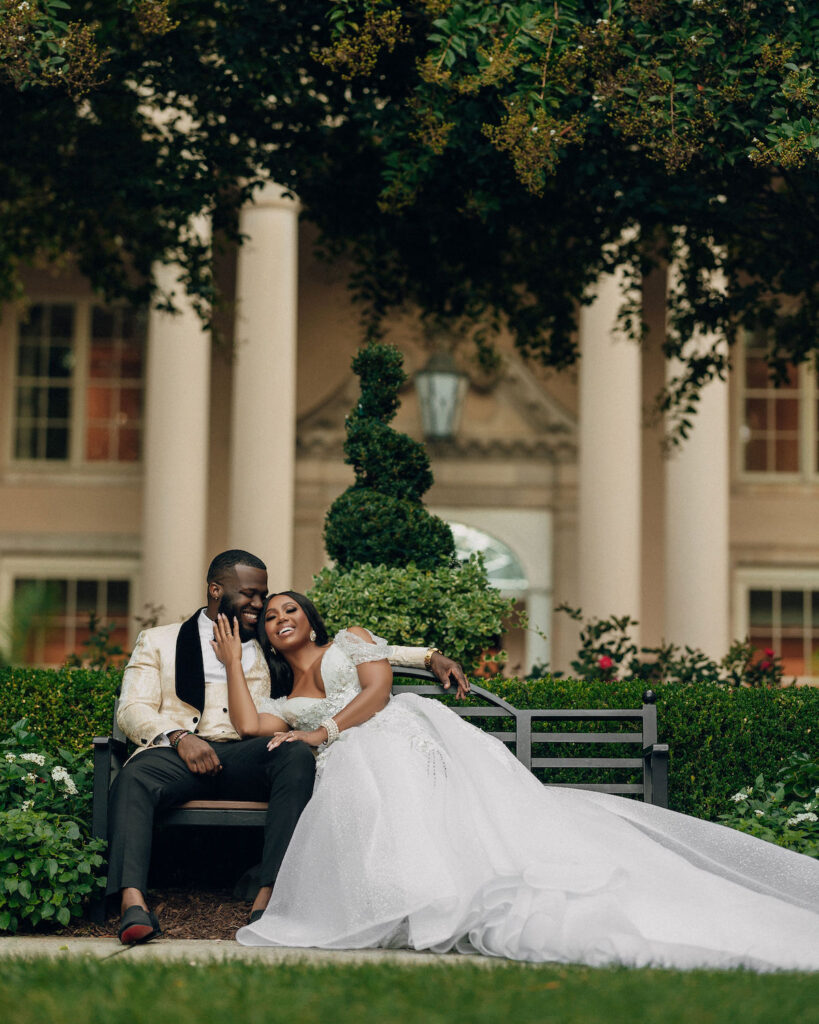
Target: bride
x,y
424,832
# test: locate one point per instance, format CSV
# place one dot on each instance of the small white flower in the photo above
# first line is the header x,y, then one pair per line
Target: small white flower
x,y
816,791
27,805
34,758
797,818
759,813
807,806
739,797
11,759
31,777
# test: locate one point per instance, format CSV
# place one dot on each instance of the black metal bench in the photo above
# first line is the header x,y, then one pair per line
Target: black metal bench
x,y
524,730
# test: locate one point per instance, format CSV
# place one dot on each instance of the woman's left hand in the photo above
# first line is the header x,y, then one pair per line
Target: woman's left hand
x,y
226,642
313,739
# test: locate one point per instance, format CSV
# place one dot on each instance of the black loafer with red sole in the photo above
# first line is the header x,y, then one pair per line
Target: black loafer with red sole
x,y
138,925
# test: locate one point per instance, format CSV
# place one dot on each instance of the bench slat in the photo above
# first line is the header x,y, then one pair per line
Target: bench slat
x,y
601,715
587,762
587,737
599,787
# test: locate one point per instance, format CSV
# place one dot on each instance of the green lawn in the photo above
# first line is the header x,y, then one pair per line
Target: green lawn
x,y
116,992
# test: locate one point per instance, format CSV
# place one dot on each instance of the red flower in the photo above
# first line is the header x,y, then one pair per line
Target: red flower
x,y
769,651
605,662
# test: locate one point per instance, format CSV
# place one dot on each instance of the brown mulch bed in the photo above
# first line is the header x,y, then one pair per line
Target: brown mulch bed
x,y
183,914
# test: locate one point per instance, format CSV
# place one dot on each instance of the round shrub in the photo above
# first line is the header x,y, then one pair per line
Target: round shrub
x,y
452,607
367,526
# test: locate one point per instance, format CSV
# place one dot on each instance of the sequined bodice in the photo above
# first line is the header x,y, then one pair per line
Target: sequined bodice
x,y
340,678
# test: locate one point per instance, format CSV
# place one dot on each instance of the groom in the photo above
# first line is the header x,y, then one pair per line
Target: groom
x,y
174,708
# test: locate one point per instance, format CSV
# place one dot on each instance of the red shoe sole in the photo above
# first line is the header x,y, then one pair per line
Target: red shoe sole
x,y
136,933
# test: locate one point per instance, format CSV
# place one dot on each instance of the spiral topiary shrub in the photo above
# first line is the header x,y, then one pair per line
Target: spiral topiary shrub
x,y
381,519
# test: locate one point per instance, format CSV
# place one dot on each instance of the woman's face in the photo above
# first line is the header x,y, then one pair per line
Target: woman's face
x,y
285,623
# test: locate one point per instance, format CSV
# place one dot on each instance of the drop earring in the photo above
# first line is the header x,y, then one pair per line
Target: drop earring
x,y
312,636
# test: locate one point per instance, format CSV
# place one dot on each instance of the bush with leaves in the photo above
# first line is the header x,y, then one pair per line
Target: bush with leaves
x,y
47,868
608,651
452,607
788,813
381,518
48,863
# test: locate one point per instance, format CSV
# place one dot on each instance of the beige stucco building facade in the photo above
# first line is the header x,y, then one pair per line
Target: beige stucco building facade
x,y
134,448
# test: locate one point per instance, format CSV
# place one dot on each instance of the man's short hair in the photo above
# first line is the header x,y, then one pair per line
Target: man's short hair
x,y
227,560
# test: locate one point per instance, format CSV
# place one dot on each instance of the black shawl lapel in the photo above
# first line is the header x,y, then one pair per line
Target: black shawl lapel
x,y
190,670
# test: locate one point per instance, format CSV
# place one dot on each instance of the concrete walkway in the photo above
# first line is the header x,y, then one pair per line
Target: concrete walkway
x,y
194,951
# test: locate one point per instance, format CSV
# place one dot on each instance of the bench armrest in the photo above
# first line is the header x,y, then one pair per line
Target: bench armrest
x,y
655,774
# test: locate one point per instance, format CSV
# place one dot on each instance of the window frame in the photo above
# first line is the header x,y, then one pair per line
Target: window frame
x,y
808,391
96,568
76,465
771,578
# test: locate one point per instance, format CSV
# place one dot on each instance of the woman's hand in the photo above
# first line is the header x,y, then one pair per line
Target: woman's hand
x,y
226,643
313,739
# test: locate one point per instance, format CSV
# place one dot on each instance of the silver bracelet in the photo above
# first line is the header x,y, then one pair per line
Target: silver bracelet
x,y
332,731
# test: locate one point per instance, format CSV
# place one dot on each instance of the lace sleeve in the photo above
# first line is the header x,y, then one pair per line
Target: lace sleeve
x,y
358,650
271,706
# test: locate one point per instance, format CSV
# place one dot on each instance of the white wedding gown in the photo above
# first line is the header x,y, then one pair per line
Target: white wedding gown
x,y
424,832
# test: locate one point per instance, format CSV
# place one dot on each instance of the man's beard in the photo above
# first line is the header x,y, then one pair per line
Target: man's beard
x,y
229,610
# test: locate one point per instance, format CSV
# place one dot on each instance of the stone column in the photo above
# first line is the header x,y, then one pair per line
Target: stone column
x,y
609,459
263,428
175,456
696,523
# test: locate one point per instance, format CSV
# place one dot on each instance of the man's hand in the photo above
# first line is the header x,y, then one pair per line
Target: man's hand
x,y
445,670
200,757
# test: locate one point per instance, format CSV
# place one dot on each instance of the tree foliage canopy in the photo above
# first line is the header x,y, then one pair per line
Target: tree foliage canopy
x,y
484,160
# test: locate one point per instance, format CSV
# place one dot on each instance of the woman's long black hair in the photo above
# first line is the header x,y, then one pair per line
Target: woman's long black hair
x,y
281,675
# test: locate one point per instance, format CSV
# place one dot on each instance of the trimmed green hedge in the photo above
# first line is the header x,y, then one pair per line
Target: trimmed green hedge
x,y
64,707
720,739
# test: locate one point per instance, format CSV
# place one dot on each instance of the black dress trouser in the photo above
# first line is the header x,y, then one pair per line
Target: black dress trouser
x,y
158,778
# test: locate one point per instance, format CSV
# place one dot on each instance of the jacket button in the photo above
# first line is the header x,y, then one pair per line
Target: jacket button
x,y
143,740
225,710
196,719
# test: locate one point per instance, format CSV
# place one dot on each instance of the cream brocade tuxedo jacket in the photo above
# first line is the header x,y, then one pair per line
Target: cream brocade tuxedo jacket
x,y
163,686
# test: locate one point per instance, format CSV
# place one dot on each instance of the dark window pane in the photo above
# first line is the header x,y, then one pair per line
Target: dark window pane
x,y
25,441
787,456
103,362
756,372
59,403
128,448
792,607
86,596
119,594
60,361
756,413
787,414
29,402
98,403
56,446
32,325
130,404
814,617
28,361
131,358
756,457
760,605
102,323
97,444
62,322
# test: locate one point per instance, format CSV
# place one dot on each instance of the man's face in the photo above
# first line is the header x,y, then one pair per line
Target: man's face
x,y
243,594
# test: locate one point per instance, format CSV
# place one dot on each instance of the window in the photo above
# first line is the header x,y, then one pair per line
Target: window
x,y
78,384
778,428
59,612
502,565
780,611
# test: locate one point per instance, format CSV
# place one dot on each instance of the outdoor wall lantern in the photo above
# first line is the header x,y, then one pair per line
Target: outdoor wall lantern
x,y
441,391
